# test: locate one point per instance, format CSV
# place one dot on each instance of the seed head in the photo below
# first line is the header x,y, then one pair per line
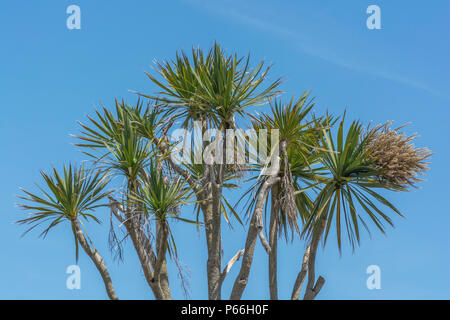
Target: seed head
x,y
391,151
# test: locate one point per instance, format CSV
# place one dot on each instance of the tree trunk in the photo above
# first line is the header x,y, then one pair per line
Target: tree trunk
x,y
301,275
312,287
212,218
163,274
143,259
141,244
97,259
255,227
208,195
273,242
142,247
160,265
212,213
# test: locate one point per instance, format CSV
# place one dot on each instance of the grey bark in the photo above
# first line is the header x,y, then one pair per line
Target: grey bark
x,y
208,193
145,263
162,234
273,242
312,287
228,266
160,272
142,246
301,275
255,227
212,218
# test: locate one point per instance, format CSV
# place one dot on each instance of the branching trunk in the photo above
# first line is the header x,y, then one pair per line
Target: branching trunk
x,y
308,264
228,266
97,259
313,287
145,262
255,227
141,244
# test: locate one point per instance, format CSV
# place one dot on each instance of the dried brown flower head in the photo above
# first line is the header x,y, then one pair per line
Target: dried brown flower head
x,y
391,151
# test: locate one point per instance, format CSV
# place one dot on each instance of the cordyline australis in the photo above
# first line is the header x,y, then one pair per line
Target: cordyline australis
x,y
323,173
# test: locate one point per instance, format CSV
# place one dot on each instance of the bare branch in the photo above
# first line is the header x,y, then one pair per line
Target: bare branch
x,y
115,207
260,226
230,263
319,284
301,275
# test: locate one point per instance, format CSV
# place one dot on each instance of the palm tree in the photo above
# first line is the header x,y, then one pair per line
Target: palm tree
x,y
349,193
296,142
123,145
70,197
212,89
162,200
317,180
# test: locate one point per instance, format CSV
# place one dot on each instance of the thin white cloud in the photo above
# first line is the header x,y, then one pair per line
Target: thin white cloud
x,y
302,44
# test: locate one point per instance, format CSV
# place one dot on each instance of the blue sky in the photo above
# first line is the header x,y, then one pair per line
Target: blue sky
x,y
50,77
